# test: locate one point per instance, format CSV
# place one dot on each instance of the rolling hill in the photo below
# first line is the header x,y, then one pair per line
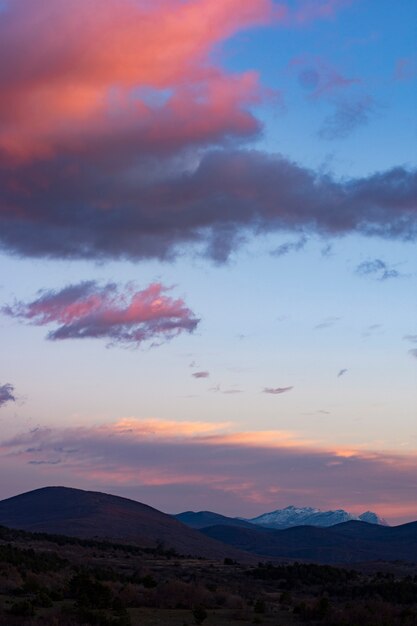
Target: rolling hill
x,y
349,542
89,514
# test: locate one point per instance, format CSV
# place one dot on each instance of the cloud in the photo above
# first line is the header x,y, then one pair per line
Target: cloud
x,y
342,372
322,81
121,68
405,69
290,246
181,465
349,115
228,392
412,339
277,390
201,374
6,394
121,316
94,212
327,323
376,266
309,10
121,138
319,78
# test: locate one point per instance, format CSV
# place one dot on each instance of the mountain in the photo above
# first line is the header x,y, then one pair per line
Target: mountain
x,y
202,519
349,542
90,514
308,516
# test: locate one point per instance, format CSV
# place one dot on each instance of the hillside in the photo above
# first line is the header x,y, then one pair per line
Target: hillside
x,y
350,542
202,519
89,514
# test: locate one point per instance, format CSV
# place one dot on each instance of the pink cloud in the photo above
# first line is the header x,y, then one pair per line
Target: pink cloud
x,y
74,69
88,310
119,133
182,465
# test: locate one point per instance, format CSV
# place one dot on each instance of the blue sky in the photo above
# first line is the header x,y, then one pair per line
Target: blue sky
x,y
301,328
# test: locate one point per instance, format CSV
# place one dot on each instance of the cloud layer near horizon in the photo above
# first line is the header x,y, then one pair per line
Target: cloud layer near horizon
x,y
180,465
122,316
120,136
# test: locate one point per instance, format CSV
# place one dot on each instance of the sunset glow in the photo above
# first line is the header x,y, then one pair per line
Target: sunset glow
x,y
214,203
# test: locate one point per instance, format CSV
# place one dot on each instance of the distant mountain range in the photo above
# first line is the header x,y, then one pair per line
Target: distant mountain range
x,y
88,514
308,516
280,519
349,542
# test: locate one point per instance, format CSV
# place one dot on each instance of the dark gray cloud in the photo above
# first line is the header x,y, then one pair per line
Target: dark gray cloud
x,y
122,316
276,390
7,394
111,206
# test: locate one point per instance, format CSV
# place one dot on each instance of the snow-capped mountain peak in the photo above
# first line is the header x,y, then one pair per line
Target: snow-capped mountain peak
x,y
310,516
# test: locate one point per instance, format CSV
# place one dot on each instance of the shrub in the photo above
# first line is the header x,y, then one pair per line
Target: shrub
x,y
199,614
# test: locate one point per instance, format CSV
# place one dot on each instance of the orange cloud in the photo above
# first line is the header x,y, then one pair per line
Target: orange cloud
x,y
176,465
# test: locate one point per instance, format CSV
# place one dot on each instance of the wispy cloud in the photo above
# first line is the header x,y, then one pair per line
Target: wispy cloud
x,y
319,78
289,246
321,81
328,322
201,374
349,114
7,394
177,465
121,316
413,339
405,69
228,391
378,268
276,391
309,10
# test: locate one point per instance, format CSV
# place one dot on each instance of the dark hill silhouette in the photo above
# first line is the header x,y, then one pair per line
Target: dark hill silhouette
x,y
90,514
202,519
349,542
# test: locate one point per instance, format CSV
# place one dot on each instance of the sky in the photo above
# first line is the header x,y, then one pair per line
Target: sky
x,y
208,217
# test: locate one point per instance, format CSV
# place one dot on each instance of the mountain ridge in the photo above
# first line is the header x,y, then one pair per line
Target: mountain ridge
x,y
292,516
279,519
349,542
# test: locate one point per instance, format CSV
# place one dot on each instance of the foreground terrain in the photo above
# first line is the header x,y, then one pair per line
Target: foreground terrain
x,y
60,581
